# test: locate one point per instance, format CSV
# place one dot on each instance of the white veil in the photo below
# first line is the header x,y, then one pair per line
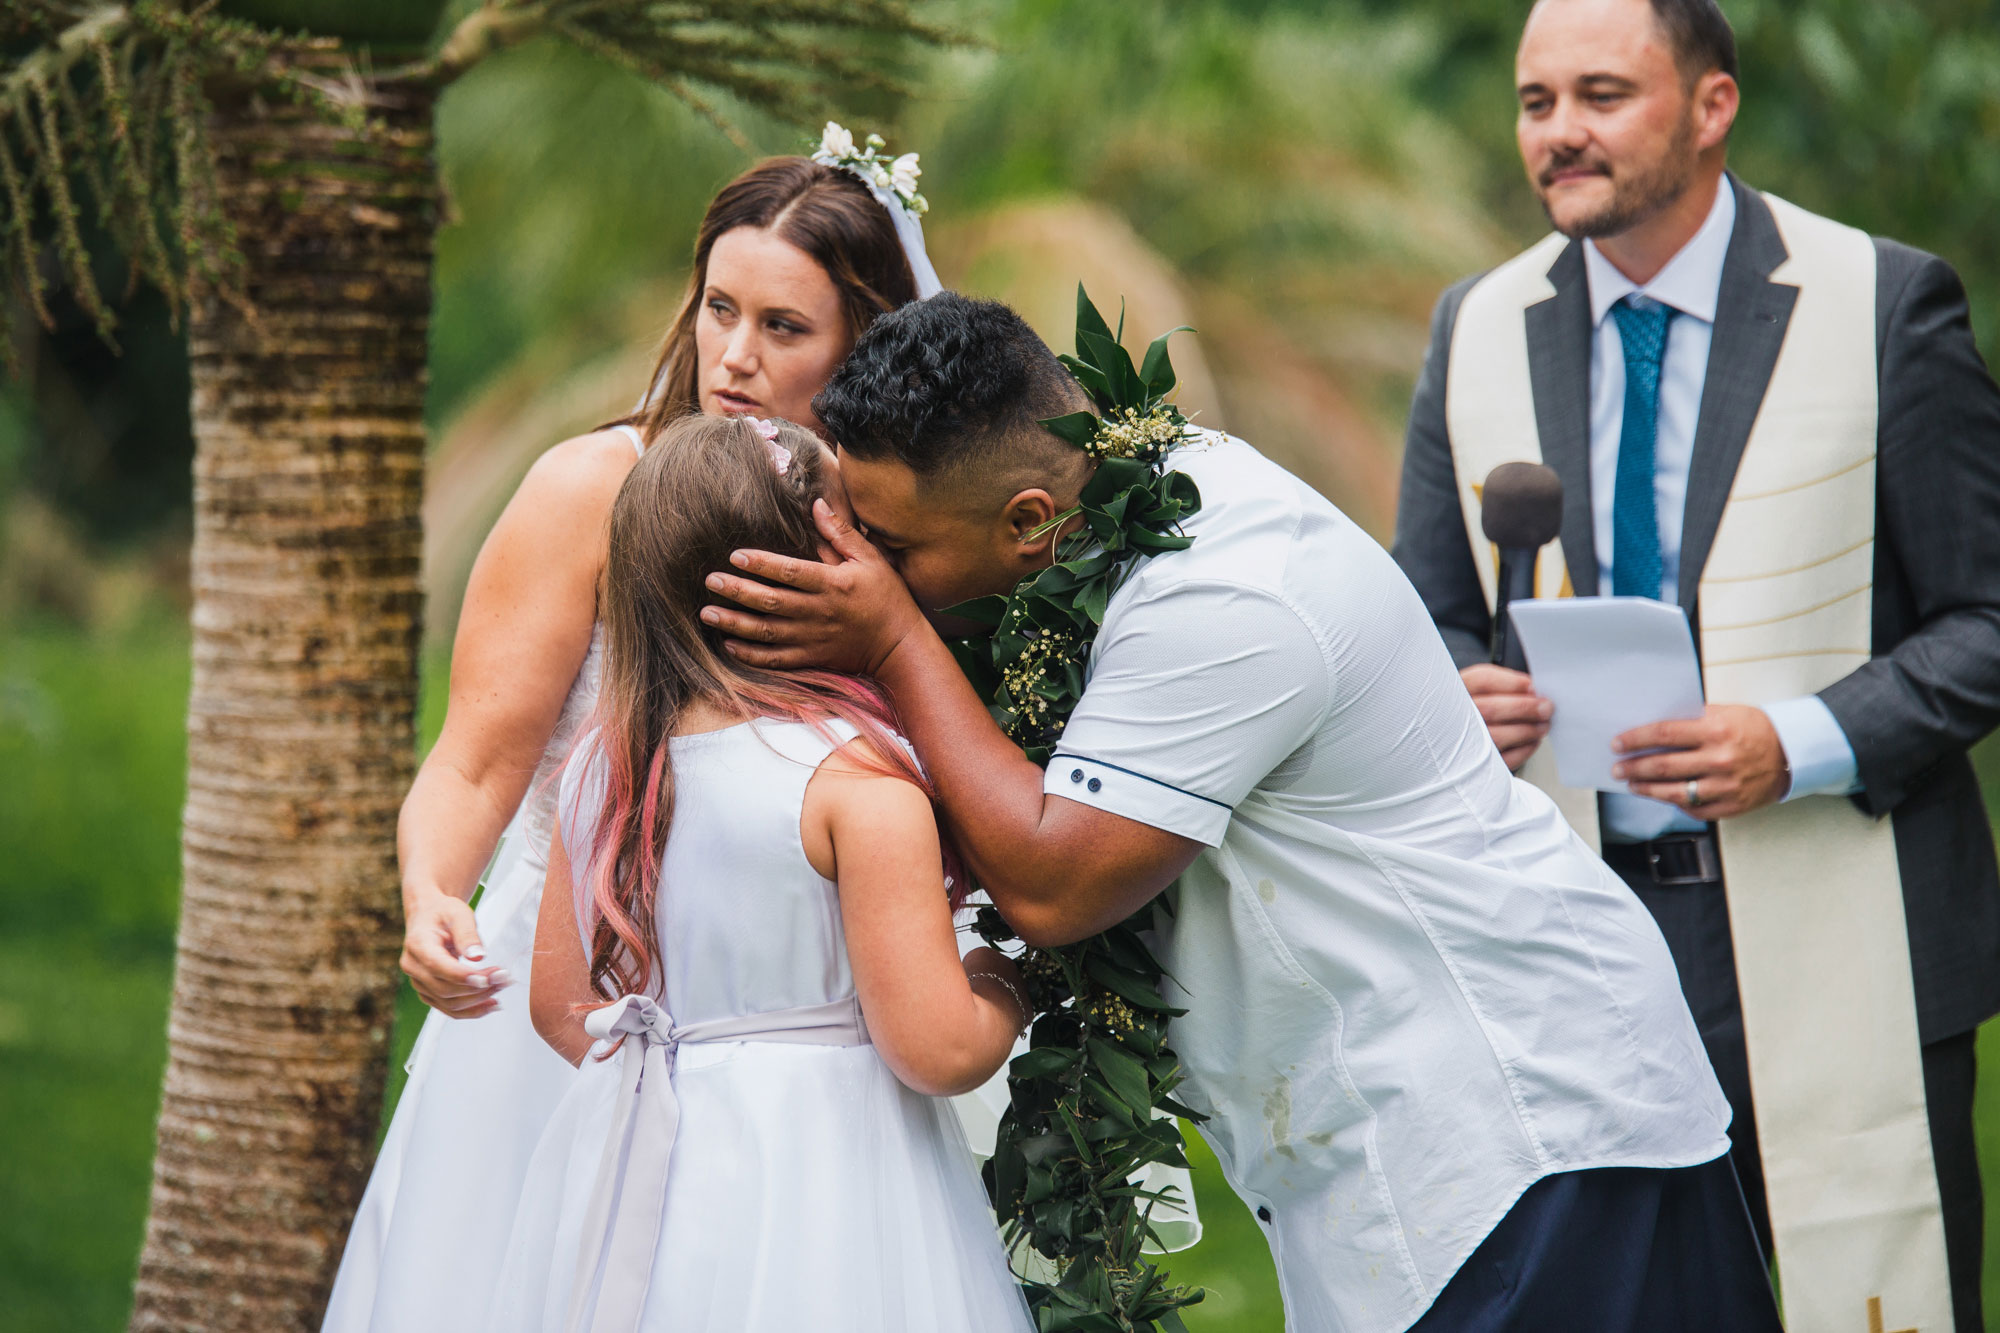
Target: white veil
x,y
893,182
910,231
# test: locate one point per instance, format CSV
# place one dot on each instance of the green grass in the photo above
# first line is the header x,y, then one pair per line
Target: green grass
x,y
91,740
92,737
82,1040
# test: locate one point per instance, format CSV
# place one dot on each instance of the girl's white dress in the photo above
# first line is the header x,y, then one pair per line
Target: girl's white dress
x,y
746,1163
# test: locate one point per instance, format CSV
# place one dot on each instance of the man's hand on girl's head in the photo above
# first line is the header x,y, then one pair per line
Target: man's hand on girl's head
x,y
847,613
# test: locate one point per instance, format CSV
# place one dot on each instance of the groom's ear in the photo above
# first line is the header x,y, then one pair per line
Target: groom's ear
x,y
1027,520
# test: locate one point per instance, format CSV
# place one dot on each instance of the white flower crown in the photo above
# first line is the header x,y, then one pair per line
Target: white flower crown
x,y
895,177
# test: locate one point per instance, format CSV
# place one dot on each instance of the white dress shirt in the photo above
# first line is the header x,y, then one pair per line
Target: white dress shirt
x,y
1821,759
1412,990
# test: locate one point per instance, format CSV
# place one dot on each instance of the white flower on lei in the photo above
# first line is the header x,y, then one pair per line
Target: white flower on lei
x,y
904,172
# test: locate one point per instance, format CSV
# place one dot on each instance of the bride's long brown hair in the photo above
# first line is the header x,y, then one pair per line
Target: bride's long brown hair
x,y
708,486
824,211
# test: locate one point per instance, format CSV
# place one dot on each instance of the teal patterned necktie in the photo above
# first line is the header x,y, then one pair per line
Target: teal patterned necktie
x,y
1635,518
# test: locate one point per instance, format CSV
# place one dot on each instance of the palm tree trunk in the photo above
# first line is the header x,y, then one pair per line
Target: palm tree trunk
x,y
308,419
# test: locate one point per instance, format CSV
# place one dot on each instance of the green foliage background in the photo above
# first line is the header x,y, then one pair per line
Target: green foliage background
x,y
1311,169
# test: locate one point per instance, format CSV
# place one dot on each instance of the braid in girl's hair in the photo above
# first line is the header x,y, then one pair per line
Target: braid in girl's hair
x,y
707,486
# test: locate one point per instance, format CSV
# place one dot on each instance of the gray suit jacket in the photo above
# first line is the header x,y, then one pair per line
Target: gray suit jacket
x,y
1933,686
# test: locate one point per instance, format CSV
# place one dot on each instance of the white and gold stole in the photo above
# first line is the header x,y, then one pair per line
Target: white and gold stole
x,y
1815,896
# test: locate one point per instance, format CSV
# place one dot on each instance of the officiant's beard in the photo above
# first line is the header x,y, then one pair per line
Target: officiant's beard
x,y
1636,196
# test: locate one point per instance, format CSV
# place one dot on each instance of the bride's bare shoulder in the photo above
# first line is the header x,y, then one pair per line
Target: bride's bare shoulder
x,y
583,471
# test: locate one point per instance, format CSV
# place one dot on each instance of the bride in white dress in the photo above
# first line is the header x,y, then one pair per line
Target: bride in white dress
x,y
793,260
748,902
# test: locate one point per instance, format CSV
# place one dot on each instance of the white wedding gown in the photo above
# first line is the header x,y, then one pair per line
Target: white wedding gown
x,y
424,1251
804,1187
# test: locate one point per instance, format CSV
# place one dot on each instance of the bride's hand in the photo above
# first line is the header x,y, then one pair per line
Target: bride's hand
x,y
847,614
444,960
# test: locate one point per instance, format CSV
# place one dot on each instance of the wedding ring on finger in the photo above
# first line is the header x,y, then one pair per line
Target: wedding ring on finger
x,y
1694,791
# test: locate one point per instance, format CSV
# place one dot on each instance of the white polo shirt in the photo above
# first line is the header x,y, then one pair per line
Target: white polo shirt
x,y
1412,991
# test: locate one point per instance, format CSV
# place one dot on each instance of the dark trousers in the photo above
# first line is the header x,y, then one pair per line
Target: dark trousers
x,y
1617,1250
1695,920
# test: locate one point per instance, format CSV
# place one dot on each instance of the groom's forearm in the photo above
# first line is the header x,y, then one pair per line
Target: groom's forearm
x,y
1057,870
991,793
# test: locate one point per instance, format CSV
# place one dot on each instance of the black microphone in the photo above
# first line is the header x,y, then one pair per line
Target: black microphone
x,y
1520,511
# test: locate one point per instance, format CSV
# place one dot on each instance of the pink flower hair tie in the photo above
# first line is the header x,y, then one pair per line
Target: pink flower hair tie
x,y
781,457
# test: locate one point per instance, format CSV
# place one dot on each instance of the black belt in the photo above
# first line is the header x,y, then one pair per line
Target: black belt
x,y
1679,859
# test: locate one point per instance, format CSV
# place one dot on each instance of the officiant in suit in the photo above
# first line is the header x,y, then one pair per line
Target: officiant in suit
x,y
1784,427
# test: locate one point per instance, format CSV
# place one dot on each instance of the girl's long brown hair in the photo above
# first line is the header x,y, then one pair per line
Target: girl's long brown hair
x,y
824,211
706,487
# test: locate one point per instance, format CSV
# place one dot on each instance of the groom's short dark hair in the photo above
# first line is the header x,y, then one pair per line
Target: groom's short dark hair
x,y
953,386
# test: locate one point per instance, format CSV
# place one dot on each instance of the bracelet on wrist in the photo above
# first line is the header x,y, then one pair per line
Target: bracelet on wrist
x,y
1020,1000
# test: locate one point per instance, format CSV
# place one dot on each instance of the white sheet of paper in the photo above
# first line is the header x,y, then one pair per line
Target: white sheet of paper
x,y
1609,664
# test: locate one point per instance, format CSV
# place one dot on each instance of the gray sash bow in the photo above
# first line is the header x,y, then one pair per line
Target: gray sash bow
x,y
622,1224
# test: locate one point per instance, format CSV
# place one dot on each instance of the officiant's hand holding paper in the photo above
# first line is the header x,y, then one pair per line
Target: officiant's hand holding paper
x,y
1629,713
1609,665
1515,716
1731,753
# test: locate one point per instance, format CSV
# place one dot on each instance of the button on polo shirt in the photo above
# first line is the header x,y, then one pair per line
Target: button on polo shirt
x,y
1411,990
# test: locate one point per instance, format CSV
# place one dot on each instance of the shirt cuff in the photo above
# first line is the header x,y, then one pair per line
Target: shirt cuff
x,y
1821,759
1144,800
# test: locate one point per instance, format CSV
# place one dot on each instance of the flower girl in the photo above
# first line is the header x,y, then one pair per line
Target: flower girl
x,y
746,944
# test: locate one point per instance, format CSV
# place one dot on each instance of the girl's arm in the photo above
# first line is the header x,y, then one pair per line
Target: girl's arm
x,y
941,1029
522,634
561,979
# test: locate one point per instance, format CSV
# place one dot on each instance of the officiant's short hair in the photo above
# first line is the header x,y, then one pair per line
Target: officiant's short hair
x,y
1700,36
955,389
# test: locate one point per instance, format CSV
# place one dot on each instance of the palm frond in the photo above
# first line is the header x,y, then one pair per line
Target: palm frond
x,y
795,59
104,108
85,99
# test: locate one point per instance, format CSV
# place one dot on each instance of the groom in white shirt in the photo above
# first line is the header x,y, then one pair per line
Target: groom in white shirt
x,y
1442,1049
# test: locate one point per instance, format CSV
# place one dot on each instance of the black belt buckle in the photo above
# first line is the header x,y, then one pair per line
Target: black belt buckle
x,y
1693,859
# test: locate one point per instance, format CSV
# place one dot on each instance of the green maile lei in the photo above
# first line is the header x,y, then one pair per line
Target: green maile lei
x,y
1081,1121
